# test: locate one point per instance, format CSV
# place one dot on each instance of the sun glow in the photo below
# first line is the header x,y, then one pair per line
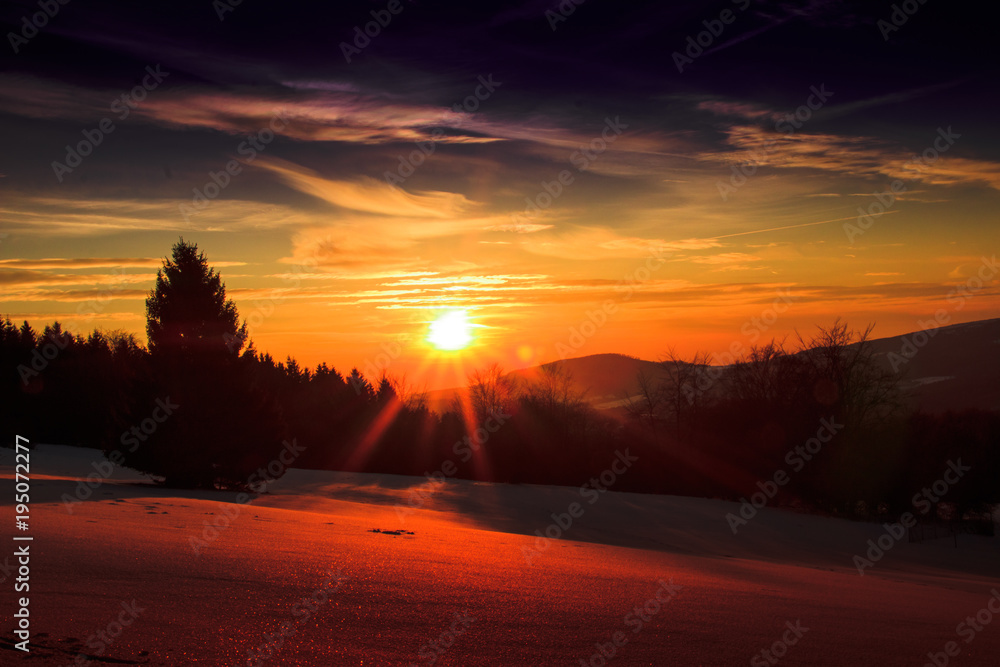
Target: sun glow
x,y
451,331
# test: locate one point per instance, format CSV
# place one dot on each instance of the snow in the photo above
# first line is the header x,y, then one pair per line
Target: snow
x,y
131,540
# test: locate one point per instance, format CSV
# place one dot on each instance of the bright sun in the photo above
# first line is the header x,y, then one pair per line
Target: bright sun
x,y
451,331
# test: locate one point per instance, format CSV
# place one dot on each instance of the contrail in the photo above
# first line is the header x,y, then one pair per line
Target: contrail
x,y
774,229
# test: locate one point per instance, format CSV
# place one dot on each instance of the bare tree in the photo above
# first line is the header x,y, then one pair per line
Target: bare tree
x,y
398,388
492,391
553,388
647,406
553,394
768,375
684,387
844,371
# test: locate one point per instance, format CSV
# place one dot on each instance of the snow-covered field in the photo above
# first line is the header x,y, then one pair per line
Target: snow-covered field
x,y
137,574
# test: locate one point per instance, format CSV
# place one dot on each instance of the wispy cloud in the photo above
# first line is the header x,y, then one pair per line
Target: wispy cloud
x,y
334,112
368,195
46,215
725,258
82,263
851,156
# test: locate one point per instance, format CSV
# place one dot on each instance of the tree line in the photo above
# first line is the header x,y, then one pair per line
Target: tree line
x,y
200,407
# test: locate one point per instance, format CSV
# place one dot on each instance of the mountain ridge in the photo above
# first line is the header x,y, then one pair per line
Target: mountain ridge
x,y
953,367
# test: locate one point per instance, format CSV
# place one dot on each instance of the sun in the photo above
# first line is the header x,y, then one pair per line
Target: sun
x,y
451,331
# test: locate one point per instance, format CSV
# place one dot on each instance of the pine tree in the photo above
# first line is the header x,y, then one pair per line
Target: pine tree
x,y
188,312
225,424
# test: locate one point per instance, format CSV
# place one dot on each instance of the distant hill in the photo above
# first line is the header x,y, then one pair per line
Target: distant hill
x,y
950,368
604,378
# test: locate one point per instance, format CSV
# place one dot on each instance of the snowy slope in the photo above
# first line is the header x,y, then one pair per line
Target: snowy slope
x,y
132,541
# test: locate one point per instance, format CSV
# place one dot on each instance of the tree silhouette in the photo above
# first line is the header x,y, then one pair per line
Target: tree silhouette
x,y
491,390
226,423
202,408
188,312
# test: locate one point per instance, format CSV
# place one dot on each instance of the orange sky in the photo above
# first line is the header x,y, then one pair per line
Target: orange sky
x,y
360,288
528,306
572,205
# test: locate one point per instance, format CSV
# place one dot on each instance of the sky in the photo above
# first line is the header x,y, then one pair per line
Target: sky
x,y
578,178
